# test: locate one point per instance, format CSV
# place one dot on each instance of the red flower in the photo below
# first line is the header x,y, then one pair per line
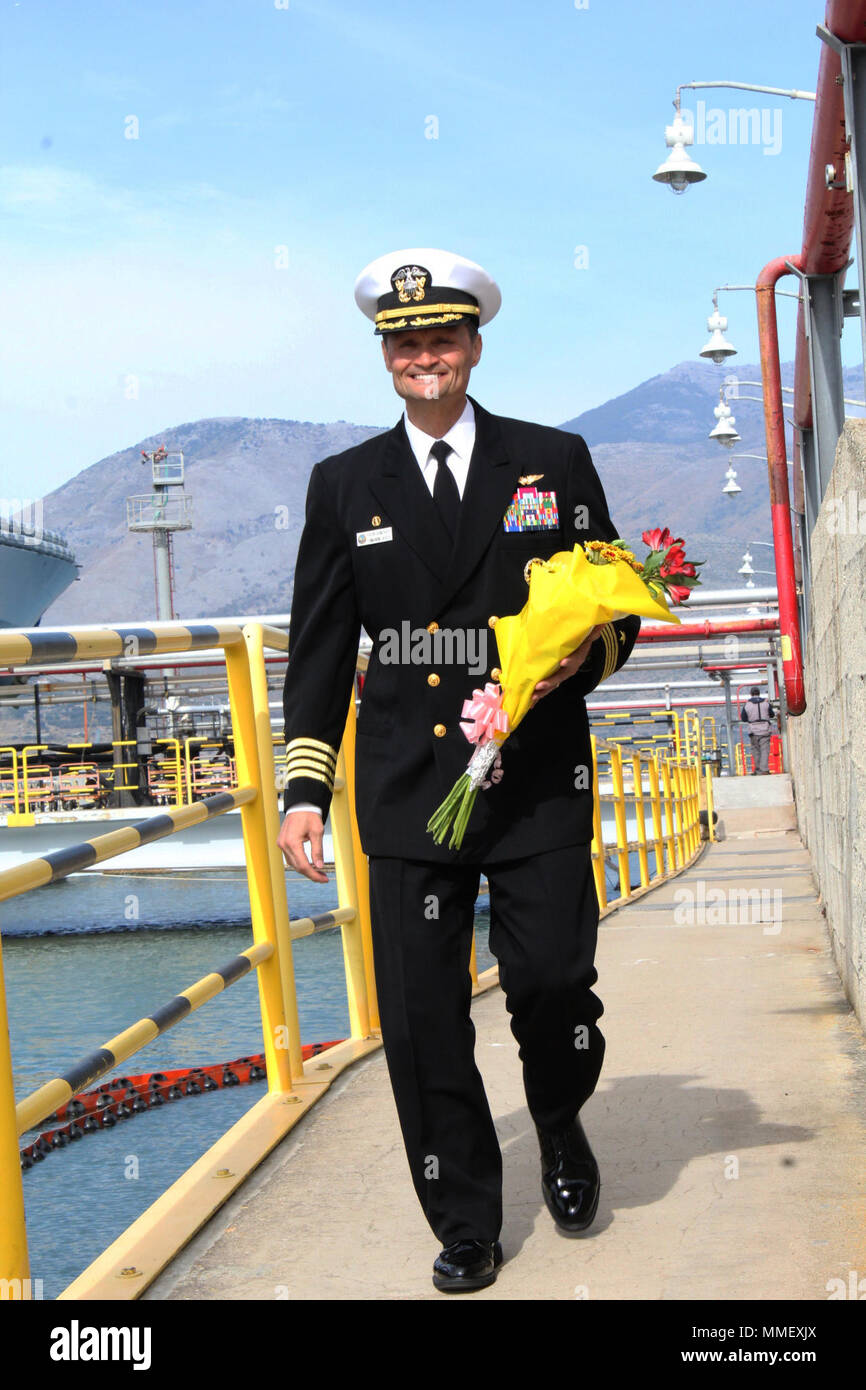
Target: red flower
x,y
657,540
678,593
688,569
673,561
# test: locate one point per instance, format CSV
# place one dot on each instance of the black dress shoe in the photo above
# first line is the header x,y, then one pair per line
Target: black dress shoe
x,y
467,1264
570,1179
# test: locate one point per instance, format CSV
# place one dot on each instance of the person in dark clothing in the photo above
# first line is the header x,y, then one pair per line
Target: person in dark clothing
x,y
429,527
759,714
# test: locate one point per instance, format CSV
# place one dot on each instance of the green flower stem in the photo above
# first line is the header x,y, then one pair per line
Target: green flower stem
x,y
456,808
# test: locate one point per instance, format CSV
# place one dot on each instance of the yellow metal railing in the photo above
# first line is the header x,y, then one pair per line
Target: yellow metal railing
x,y
9,793
290,1088
669,790
658,794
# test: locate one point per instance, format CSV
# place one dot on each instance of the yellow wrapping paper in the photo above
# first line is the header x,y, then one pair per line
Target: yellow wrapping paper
x,y
568,597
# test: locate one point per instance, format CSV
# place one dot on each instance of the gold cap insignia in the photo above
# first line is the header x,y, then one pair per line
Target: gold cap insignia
x,y
410,282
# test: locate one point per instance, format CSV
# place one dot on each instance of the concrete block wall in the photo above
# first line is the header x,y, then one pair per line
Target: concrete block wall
x,y
828,742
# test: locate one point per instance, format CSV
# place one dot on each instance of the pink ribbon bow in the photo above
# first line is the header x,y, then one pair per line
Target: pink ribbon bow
x,y
483,715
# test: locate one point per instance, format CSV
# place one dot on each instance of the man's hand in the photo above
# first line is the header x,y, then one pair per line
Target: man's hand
x,y
297,828
567,667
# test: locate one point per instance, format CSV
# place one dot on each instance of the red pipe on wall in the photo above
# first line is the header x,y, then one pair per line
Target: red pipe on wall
x,y
777,467
828,221
828,224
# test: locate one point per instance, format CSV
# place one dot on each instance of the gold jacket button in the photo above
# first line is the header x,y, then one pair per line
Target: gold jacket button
x,y
492,621
495,674
433,679
432,627
439,730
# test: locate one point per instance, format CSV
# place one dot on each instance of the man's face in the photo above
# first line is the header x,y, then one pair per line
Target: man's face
x,y
431,363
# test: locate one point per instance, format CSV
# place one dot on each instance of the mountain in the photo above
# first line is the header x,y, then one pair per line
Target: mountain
x,y
248,480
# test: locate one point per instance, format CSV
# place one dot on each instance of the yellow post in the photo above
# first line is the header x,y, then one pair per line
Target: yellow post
x,y
14,1264
688,810
597,848
347,896
257,838
637,775
621,824
125,785
691,722
254,637
709,776
186,760
669,815
655,803
678,811
362,867
178,773
14,752
31,748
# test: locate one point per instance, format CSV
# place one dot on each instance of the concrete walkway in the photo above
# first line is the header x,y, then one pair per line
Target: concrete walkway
x,y
730,1123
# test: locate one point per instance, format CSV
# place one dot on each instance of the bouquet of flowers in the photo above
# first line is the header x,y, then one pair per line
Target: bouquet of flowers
x,y
569,594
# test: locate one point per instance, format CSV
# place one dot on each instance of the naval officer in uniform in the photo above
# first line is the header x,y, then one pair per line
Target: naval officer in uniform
x,y
422,536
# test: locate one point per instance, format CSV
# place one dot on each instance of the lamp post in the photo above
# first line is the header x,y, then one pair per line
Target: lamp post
x,y
746,567
725,428
679,169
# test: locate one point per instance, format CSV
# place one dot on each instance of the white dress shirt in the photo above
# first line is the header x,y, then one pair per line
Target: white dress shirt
x,y
461,437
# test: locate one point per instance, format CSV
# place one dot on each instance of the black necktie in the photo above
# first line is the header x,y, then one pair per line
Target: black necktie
x,y
446,493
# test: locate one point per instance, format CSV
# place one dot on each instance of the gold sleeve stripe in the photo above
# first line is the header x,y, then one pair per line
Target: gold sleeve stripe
x,y
314,773
311,745
611,654
302,755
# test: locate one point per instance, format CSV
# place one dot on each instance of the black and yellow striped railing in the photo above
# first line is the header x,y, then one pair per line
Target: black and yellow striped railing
x,y
139,1254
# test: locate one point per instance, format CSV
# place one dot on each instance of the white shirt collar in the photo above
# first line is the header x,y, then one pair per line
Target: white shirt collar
x,y
461,437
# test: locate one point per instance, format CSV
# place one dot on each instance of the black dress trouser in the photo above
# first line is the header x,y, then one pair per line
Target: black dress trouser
x,y
543,930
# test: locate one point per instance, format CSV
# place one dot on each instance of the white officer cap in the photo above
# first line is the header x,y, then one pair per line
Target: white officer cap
x,y
422,287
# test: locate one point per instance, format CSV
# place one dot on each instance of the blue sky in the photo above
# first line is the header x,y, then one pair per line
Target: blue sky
x,y
143,284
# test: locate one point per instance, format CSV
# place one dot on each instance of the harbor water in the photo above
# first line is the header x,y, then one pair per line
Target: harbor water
x,y
85,958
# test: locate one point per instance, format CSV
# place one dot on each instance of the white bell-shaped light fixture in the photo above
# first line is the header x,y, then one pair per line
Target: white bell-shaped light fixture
x,y
679,169
750,583
718,348
745,568
731,487
724,431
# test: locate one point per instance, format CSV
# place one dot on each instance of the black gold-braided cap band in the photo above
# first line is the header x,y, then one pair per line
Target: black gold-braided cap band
x,y
440,306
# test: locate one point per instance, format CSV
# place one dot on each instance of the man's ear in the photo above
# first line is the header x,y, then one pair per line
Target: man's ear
x,y
385,351
476,349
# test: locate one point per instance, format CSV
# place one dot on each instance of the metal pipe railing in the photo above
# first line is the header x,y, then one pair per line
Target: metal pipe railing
x,y
42,1102
675,798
